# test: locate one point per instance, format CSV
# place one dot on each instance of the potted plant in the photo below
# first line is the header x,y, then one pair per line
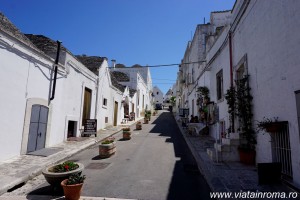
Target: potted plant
x,y
147,116
72,186
126,133
239,102
269,125
54,174
139,125
107,147
154,113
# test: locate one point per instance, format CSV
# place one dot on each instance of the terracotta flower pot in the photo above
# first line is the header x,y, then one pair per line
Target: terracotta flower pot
x,y
71,192
247,156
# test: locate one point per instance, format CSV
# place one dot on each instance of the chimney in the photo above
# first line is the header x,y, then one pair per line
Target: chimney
x,y
113,63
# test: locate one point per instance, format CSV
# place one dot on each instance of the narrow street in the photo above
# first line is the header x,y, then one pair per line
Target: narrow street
x,y
155,164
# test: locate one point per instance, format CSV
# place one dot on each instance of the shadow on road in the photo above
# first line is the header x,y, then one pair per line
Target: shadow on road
x,y
187,182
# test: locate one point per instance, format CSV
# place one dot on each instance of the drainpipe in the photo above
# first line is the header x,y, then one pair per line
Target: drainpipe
x,y
231,75
55,70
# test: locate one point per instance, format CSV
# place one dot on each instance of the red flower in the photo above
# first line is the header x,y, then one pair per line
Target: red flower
x,y
67,167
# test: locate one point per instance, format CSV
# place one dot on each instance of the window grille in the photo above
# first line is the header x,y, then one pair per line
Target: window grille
x,y
281,149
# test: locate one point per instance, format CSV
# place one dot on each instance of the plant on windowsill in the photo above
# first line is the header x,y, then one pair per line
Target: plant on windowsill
x,y
72,186
54,174
269,125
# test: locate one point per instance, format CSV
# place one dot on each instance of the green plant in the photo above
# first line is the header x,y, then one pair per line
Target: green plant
x,y
108,140
204,91
148,114
75,179
230,97
202,102
244,113
126,129
173,100
265,123
64,167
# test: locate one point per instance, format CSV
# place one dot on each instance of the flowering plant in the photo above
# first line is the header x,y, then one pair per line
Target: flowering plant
x,y
108,140
65,167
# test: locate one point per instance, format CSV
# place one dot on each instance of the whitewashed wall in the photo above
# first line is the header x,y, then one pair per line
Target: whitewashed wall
x,y
104,88
72,93
268,34
21,78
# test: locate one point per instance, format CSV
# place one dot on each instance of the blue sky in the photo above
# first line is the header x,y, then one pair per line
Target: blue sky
x,y
131,31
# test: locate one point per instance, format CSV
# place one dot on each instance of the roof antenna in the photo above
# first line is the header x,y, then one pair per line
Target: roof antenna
x,y
204,20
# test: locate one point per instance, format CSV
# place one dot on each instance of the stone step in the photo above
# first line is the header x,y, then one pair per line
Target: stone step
x,y
222,147
211,152
232,155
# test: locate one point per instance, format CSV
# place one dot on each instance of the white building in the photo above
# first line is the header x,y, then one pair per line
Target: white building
x,y
167,98
33,121
109,110
158,96
259,39
141,81
31,115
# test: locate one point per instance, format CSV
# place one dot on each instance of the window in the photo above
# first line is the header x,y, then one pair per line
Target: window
x,y
104,102
219,78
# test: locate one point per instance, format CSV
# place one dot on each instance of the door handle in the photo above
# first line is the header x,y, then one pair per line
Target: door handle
x,y
40,134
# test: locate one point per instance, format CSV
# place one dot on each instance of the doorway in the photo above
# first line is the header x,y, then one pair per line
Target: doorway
x,y
37,128
116,114
72,127
86,113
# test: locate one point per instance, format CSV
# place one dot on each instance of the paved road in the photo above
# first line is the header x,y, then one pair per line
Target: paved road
x,y
155,164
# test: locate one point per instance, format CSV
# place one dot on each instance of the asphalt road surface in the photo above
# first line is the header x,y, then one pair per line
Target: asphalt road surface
x,y
156,164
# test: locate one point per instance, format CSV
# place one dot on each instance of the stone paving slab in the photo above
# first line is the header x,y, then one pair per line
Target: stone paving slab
x,y
226,176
